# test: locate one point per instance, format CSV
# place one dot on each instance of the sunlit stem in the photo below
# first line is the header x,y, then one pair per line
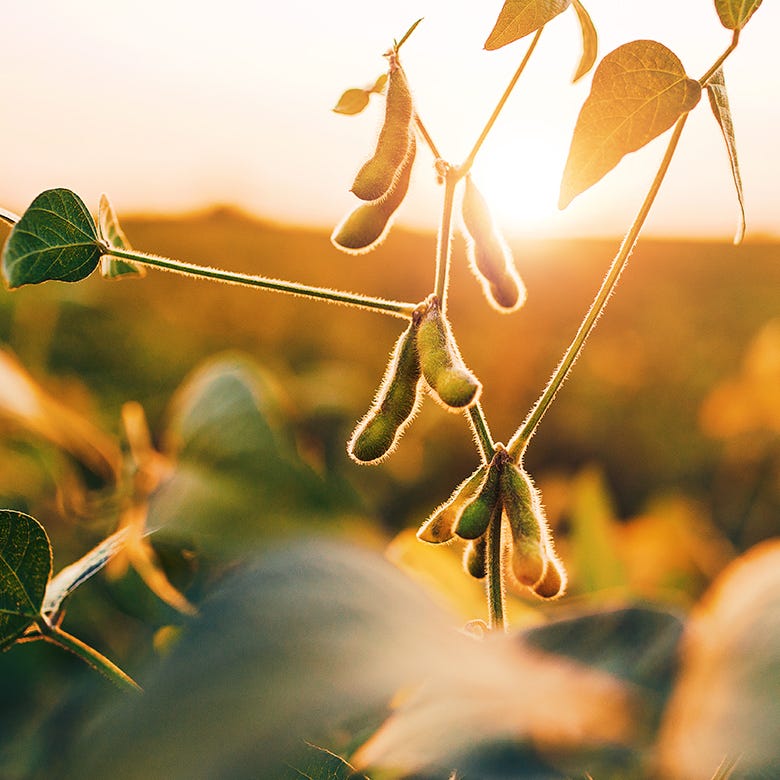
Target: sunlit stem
x,y
426,136
495,578
89,655
519,441
9,217
716,66
444,243
482,435
395,308
469,161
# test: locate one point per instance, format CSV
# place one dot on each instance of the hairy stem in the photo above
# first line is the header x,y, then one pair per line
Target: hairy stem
x,y
444,243
469,161
89,655
519,441
426,136
395,308
495,576
482,435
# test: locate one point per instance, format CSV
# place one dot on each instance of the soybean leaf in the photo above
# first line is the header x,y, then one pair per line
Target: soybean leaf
x,y
69,578
112,234
639,90
25,568
380,84
519,18
353,101
719,102
734,14
590,40
56,239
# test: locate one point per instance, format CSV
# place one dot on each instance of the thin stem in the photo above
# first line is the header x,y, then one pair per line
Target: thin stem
x,y
519,441
395,308
444,244
89,655
482,435
426,136
715,67
495,579
9,217
466,167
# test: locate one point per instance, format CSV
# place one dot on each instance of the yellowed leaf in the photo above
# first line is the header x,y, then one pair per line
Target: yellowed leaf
x,y
519,18
590,40
734,14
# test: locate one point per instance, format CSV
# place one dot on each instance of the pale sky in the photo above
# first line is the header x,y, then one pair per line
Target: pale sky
x,y
169,105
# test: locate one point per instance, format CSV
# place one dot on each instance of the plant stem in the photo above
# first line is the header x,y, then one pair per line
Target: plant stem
x,y
395,308
482,435
89,655
9,217
469,161
426,136
444,243
519,441
716,65
495,579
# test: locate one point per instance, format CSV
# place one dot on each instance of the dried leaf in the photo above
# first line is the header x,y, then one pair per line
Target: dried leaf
x,y
639,90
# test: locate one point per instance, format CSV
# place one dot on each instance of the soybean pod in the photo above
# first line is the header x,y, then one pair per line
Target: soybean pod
x,y
378,432
489,256
476,515
377,176
475,558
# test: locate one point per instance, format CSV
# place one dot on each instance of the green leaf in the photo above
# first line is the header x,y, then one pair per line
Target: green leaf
x,y
353,101
25,568
719,102
734,14
519,18
639,90
56,239
590,40
110,232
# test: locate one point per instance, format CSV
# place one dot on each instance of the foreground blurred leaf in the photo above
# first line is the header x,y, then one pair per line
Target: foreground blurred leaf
x,y
727,702
719,102
734,14
519,18
590,40
56,239
111,232
25,568
639,90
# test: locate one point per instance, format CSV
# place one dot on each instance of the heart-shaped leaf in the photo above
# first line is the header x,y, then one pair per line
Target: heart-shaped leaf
x,y
519,18
113,235
56,239
639,90
734,14
25,568
719,102
590,40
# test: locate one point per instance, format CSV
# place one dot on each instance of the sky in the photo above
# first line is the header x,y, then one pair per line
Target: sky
x,y
173,105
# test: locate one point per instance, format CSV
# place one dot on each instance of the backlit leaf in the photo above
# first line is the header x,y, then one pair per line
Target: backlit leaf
x,y
519,18
590,40
639,90
379,84
112,234
719,102
25,568
353,101
56,239
734,14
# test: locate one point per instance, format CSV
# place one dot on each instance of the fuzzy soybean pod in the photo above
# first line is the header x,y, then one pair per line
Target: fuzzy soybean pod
x,y
489,256
475,518
475,558
366,227
378,432
526,521
377,176
553,584
439,527
440,361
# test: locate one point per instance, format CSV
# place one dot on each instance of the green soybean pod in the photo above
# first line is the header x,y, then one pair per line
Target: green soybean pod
x,y
377,434
377,176
439,527
475,518
365,228
475,558
489,256
553,584
440,361
526,519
